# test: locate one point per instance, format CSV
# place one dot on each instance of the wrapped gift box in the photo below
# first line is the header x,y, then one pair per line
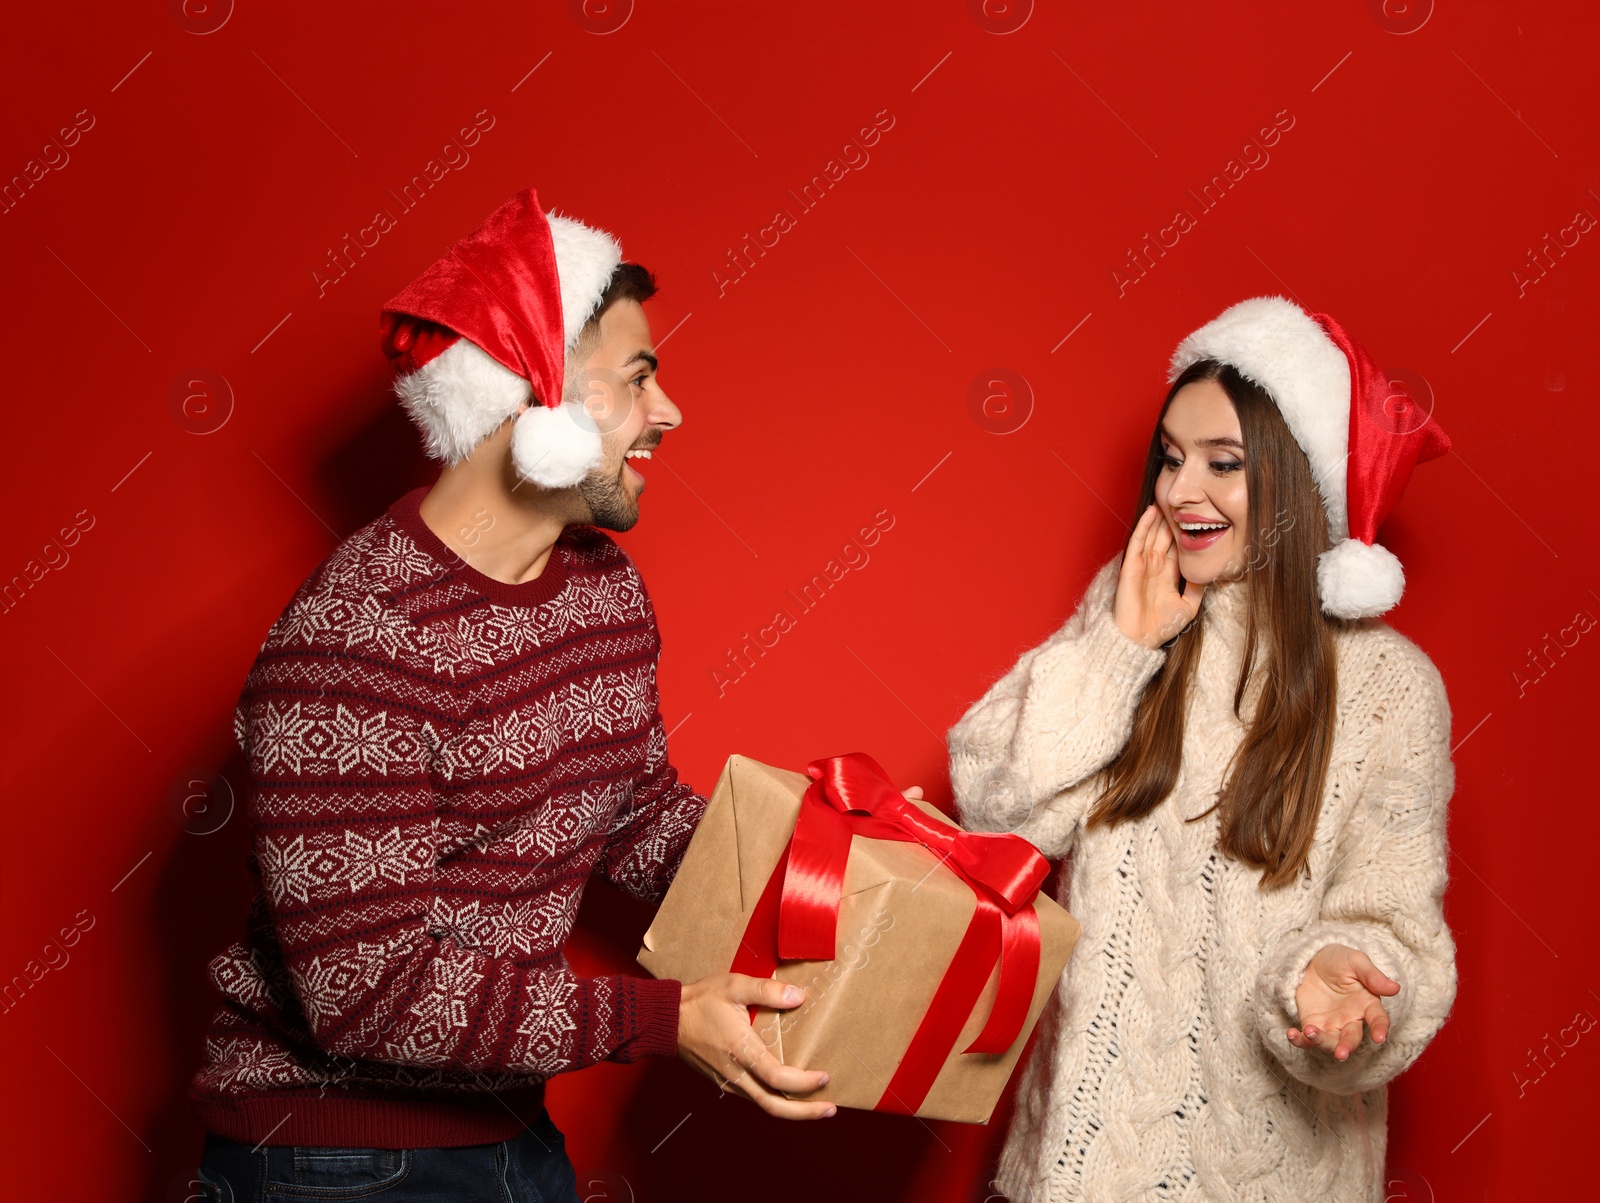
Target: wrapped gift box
x,y
908,977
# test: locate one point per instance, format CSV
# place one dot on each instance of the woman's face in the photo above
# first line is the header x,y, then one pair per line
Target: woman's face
x,y
1201,487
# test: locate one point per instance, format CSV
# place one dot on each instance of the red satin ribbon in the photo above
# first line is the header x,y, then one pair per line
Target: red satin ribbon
x,y
797,916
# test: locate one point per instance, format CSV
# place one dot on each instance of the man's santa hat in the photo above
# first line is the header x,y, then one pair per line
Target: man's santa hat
x,y
1362,434
488,327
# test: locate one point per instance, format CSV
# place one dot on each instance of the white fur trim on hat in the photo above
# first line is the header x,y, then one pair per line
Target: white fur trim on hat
x,y
1281,347
555,447
459,398
1359,580
463,395
585,259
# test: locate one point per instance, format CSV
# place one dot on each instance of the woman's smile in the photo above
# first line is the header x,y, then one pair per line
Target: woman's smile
x,y
1196,532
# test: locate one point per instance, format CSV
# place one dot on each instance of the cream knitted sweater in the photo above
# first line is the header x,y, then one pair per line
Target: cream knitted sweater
x,y
1162,1071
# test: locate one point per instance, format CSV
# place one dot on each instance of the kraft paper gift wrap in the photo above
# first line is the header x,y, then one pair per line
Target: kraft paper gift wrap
x,y
903,916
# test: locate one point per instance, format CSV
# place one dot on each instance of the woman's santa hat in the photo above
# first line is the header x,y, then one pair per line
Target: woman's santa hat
x,y
488,328
1361,433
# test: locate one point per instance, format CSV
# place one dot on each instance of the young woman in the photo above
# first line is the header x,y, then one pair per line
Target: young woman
x,y
1250,773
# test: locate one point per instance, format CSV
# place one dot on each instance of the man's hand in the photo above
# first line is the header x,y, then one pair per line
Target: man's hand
x,y
716,1037
1340,991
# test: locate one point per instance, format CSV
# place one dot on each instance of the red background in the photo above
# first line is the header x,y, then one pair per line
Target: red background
x,y
824,386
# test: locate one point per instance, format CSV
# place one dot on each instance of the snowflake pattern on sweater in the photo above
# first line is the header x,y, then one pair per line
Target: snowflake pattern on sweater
x,y
438,763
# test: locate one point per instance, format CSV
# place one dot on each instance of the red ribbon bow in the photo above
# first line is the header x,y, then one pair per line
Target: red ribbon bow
x,y
797,917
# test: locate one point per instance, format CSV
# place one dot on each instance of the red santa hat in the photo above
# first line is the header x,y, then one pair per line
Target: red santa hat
x,y
1361,433
488,327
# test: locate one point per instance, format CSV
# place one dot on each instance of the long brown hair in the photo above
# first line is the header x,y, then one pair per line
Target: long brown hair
x,y
1272,788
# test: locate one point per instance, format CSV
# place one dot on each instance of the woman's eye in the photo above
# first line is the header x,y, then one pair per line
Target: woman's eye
x,y
1225,465
1169,463
638,381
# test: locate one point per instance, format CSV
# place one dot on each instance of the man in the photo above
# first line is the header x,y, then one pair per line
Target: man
x,y
452,725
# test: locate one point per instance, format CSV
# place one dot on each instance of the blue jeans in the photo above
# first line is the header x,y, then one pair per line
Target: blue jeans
x,y
529,1168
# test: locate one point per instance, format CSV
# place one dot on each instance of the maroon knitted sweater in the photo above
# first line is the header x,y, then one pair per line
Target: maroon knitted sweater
x,y
438,762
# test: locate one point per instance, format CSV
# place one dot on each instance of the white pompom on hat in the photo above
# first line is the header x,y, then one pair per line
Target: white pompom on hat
x,y
1361,434
488,327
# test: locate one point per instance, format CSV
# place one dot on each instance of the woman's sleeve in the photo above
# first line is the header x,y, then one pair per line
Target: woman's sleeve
x,y
1383,897
1021,757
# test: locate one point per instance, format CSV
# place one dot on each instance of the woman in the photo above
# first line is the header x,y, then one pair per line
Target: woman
x,y
1251,774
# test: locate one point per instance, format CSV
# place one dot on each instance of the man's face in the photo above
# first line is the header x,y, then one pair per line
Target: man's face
x,y
616,384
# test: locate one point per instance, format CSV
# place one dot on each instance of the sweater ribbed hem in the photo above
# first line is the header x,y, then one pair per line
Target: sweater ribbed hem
x,y
372,1120
400,1119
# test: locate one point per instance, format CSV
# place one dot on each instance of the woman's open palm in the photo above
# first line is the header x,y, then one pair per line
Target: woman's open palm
x,y
1148,607
1342,990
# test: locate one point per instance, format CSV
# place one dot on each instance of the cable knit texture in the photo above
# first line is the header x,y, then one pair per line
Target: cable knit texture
x,y
1162,1069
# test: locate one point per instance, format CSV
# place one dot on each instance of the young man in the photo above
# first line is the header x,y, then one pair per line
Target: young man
x,y
452,725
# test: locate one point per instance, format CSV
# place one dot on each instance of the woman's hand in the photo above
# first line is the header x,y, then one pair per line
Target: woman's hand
x,y
1341,990
1148,607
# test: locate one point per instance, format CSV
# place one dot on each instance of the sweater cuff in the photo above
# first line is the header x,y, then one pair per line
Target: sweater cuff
x,y
1102,662
1285,968
1126,658
1279,979
655,1018
1110,653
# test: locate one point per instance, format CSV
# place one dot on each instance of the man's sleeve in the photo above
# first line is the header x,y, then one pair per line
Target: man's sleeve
x,y
653,827
340,721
